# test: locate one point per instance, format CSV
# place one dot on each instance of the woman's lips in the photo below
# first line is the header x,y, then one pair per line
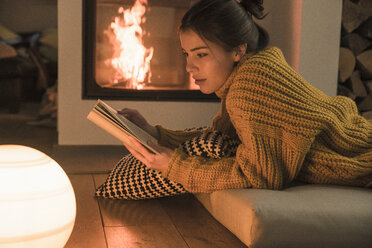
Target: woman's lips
x,y
199,81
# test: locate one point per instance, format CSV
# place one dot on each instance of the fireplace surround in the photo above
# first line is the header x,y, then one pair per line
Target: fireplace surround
x,y
169,80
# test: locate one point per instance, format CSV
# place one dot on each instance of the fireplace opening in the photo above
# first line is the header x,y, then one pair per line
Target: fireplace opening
x,y
132,51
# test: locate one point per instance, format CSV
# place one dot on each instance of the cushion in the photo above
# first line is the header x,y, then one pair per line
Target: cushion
x,y
299,216
211,144
49,37
8,36
131,179
49,44
7,51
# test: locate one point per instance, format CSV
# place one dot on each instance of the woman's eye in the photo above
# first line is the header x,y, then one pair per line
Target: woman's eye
x,y
201,55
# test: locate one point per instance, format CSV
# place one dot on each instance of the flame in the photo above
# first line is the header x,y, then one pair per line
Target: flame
x,y
131,59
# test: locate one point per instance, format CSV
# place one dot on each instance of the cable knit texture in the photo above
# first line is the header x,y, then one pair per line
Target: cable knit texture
x,y
288,130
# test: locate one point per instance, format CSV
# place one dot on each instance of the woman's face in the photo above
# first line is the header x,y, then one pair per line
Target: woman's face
x,y
208,63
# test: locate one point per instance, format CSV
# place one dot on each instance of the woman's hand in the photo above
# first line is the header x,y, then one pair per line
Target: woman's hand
x,y
153,161
134,116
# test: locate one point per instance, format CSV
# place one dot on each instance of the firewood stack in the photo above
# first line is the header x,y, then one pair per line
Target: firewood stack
x,y
355,64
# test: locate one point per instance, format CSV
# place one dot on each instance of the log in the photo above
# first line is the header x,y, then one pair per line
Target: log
x,y
365,29
367,115
369,86
346,64
366,6
355,42
345,91
365,63
365,104
357,85
352,15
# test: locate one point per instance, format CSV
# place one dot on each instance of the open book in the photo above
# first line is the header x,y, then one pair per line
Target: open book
x,y
120,127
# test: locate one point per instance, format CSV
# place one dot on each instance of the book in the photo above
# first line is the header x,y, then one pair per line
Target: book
x,y
120,127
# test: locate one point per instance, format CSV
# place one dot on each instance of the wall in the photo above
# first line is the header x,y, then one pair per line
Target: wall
x,y
320,43
24,16
287,21
283,22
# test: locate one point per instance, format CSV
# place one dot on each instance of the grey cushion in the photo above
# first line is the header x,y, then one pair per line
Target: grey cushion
x,y
299,216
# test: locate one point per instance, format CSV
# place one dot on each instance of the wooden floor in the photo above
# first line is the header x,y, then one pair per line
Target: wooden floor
x,y
175,222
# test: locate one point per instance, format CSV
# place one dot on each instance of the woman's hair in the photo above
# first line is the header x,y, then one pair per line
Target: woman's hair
x,y
228,23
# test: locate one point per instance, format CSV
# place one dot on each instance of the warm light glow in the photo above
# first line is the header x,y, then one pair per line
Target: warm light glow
x,y
37,201
131,59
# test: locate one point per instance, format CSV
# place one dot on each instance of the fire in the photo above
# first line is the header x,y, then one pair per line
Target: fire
x,y
131,59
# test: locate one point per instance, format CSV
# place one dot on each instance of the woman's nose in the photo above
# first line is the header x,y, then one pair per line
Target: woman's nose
x,y
190,67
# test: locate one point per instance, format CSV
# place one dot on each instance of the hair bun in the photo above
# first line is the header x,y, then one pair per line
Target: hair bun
x,y
254,7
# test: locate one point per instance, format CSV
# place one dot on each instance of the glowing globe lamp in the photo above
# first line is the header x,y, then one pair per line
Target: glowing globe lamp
x,y
37,201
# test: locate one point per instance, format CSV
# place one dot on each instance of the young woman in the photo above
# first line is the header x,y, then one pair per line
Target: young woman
x,y
288,129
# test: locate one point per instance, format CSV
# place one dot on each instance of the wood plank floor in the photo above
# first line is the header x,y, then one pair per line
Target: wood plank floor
x,y
179,221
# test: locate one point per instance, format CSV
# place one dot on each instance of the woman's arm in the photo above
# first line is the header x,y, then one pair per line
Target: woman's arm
x,y
267,158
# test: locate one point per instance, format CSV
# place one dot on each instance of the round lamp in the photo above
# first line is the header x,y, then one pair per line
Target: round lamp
x,y
37,201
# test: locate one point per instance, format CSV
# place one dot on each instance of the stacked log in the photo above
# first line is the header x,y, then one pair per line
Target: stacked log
x,y
355,62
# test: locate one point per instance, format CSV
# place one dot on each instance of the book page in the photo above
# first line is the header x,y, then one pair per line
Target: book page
x,y
110,127
126,125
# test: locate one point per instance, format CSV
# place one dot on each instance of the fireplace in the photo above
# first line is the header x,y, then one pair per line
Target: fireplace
x,y
131,51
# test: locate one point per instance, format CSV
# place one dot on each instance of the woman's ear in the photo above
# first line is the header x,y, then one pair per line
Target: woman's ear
x,y
240,51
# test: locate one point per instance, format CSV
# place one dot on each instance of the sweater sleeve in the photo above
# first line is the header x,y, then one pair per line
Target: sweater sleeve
x,y
269,157
262,161
199,174
173,138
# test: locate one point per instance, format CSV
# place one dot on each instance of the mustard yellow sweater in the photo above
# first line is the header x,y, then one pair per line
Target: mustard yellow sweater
x,y
288,130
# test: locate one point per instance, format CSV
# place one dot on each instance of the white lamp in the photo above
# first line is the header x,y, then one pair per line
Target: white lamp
x,y
37,201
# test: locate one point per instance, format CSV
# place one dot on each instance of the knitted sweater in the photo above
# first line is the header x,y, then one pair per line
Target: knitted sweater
x,y
288,130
